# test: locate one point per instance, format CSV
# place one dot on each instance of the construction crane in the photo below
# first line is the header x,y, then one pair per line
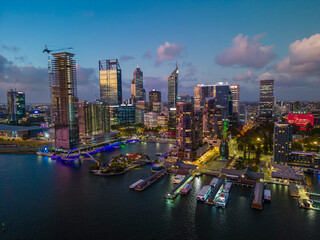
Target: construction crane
x,y
48,51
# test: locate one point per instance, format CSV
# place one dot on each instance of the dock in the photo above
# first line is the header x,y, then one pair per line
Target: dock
x,y
211,198
146,183
176,190
257,198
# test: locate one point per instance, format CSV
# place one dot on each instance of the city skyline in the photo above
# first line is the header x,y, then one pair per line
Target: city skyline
x,y
231,47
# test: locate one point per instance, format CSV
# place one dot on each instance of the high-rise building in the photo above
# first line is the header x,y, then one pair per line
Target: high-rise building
x,y
198,128
185,125
224,98
173,88
93,118
127,113
154,96
16,105
235,90
266,100
213,117
110,82
172,121
201,92
114,115
185,98
138,93
282,138
64,99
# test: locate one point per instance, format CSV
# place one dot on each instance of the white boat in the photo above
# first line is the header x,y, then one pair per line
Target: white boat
x,y
133,186
267,195
227,187
178,178
214,182
222,200
204,193
186,188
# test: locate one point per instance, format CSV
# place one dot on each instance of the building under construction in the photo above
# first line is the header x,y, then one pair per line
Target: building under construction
x,y
64,98
110,82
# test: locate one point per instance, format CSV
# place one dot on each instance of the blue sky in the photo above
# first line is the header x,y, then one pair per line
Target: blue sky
x,y
196,32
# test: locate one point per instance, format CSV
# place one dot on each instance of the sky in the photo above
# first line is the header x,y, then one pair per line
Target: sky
x,y
240,42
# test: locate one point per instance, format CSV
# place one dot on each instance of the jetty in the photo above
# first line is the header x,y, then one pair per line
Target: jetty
x,y
150,180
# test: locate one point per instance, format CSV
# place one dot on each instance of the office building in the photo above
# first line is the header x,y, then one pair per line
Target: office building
x,y
127,113
185,98
201,92
173,88
64,99
16,105
94,118
266,100
213,117
138,93
235,90
110,82
154,96
282,138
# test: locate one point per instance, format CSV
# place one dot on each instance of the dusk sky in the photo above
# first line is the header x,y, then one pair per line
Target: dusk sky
x,y
234,41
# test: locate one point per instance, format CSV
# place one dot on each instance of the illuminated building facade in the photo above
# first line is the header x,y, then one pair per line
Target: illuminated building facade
x,y
94,118
138,93
235,90
154,97
110,82
282,138
16,105
266,100
173,88
64,97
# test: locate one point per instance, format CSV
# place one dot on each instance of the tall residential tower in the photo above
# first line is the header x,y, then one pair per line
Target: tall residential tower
x,y
64,97
266,100
138,93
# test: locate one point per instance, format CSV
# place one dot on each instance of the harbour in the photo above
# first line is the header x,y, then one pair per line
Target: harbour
x,y
60,191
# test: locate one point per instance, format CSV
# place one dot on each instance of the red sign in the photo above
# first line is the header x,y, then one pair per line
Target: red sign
x,y
301,119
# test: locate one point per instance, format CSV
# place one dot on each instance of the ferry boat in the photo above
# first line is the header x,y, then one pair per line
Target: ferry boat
x,y
222,200
204,193
227,187
156,168
267,195
178,178
186,188
133,186
214,182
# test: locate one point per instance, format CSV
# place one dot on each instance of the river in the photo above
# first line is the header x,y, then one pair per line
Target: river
x,y
45,199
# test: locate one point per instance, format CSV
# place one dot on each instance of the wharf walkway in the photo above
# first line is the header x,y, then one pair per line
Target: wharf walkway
x,y
146,183
214,192
209,172
176,190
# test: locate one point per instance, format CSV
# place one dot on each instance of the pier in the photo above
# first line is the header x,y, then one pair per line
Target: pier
x,y
176,190
146,183
216,189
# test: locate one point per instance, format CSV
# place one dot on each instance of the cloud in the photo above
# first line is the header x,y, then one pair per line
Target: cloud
x,y
147,54
190,73
246,53
304,58
168,51
248,76
10,49
124,58
34,81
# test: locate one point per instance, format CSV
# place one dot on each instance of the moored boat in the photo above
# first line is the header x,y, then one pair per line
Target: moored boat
x,y
186,188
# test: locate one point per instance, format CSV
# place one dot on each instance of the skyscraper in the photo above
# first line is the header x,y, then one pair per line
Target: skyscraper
x,y
154,97
137,91
266,100
282,138
235,90
185,128
224,98
110,82
64,97
173,88
201,92
16,105
93,118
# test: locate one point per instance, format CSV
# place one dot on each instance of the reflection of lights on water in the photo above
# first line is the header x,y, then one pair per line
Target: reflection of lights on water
x,y
197,183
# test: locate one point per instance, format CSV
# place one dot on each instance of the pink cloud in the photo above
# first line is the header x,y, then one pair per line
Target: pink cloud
x,y
168,51
304,58
246,53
